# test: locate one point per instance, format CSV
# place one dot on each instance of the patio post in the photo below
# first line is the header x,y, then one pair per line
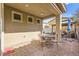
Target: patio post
x,y
58,27
2,26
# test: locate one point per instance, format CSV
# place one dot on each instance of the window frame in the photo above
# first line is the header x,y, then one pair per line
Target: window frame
x,y
40,21
32,19
15,20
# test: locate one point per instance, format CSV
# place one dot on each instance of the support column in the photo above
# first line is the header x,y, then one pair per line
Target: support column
x,y
52,28
58,27
2,26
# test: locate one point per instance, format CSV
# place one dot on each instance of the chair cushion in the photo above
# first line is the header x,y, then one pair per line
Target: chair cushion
x,y
8,50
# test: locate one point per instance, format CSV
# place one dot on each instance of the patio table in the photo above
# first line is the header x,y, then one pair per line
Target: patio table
x,y
47,40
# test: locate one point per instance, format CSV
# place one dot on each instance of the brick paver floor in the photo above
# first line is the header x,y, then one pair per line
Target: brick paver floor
x,y
65,48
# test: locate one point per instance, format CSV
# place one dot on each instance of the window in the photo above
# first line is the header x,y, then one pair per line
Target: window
x,y
29,19
16,16
38,21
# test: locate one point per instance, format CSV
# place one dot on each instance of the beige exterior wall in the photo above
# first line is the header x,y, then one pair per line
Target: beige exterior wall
x,y
64,28
77,27
18,34
54,29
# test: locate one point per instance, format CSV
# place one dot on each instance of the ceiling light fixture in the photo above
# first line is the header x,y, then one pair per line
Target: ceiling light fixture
x,y
42,13
26,5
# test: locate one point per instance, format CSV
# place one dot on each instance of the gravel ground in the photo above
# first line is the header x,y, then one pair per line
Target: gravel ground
x,y
64,48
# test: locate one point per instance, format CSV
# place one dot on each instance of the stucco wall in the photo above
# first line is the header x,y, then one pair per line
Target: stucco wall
x,y
17,34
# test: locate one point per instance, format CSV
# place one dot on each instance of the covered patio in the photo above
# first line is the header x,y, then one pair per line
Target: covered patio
x,y
22,26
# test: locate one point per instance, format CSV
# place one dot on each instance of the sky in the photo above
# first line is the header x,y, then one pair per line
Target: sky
x,y
71,8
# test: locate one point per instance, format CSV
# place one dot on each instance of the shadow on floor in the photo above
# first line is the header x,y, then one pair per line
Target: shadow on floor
x,y
35,49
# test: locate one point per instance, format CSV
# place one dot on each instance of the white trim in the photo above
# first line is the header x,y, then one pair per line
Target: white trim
x,y
55,6
63,6
2,26
32,20
14,20
40,21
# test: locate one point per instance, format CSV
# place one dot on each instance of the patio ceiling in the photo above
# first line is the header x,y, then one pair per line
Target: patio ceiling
x,y
42,10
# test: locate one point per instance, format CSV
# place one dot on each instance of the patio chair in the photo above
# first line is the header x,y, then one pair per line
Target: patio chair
x,y
64,35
